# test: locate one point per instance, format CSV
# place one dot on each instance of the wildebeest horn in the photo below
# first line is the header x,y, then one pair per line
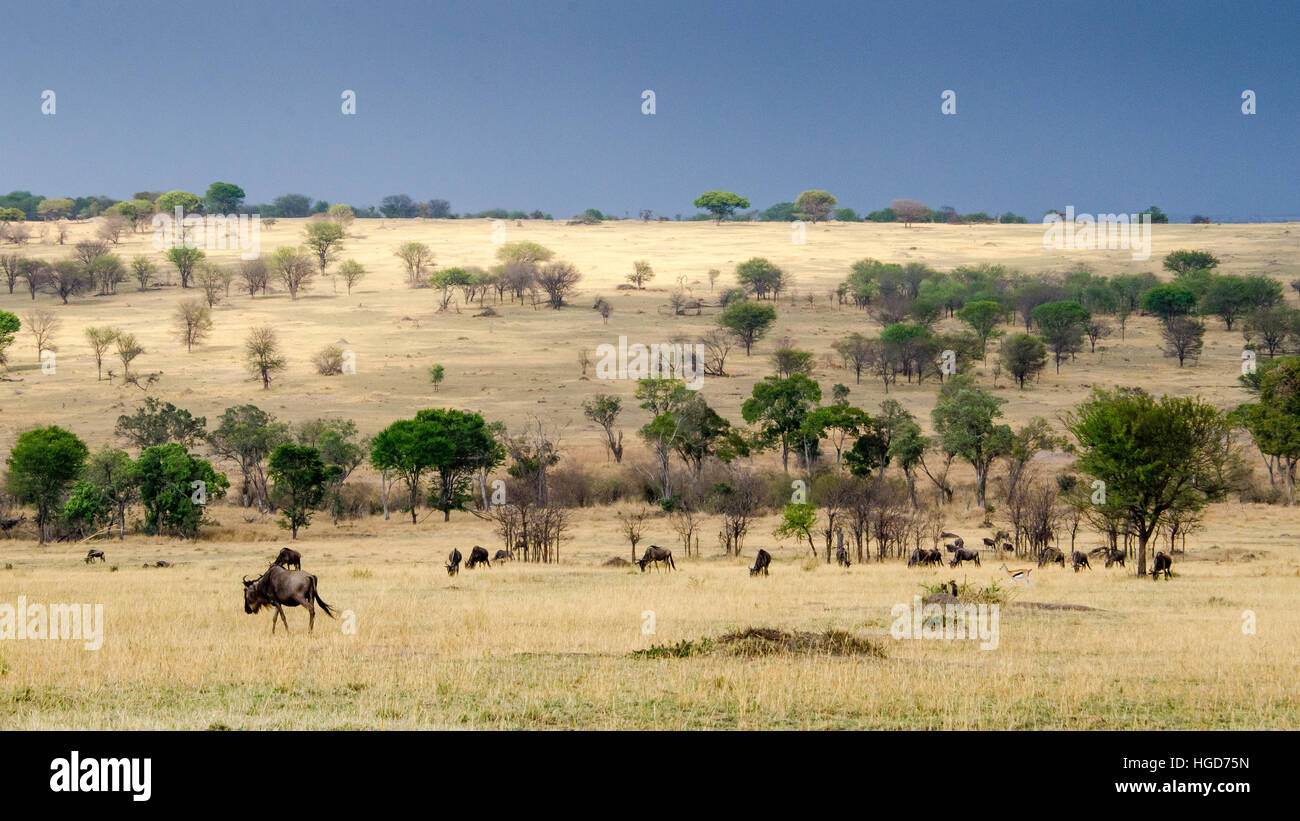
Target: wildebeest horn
x,y
248,580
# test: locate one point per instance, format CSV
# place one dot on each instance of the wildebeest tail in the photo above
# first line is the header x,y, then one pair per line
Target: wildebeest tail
x,y
313,595
670,562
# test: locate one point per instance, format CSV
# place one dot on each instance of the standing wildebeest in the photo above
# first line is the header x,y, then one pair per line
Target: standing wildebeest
x,y
655,553
7,525
917,557
841,557
453,562
476,556
1080,560
761,561
502,555
287,557
933,557
961,554
1113,556
1051,555
280,588
1162,565
94,554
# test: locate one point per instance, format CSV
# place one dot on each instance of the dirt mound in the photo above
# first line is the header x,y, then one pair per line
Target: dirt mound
x,y
754,642
617,561
488,311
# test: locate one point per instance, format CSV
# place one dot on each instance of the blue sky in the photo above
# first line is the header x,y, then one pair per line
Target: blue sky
x,y
1103,106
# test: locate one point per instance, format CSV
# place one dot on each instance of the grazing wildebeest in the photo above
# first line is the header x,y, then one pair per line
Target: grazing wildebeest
x,y
933,557
964,555
917,557
94,554
655,553
1051,555
1080,560
288,557
841,557
502,555
7,525
761,561
280,588
1114,556
453,562
1162,565
951,548
477,556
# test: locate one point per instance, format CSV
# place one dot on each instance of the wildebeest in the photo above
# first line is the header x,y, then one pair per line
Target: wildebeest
x,y
1051,555
7,525
917,557
655,553
289,556
477,556
841,557
1114,556
1080,560
961,554
502,555
453,562
1162,565
933,557
280,588
94,554
761,561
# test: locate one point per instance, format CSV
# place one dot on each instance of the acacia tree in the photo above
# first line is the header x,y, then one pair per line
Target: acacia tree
x,y
100,339
42,464
185,259
193,322
293,268
1024,356
1156,457
910,211
1062,326
983,317
721,204
780,407
325,239
964,425
247,435
815,206
749,321
262,354
603,409
1274,421
1183,337
299,480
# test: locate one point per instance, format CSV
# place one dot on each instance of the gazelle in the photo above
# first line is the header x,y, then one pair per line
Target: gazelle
x,y
1020,575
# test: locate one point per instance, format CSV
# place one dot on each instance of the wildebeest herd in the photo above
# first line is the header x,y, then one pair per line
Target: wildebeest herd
x,y
285,584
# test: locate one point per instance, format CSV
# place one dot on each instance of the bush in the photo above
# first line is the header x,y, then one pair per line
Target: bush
x,y
329,361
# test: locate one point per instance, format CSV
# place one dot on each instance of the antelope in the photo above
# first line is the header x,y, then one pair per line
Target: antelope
x,y
1018,575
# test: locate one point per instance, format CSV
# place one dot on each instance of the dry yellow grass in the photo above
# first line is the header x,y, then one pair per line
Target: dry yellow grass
x,y
530,646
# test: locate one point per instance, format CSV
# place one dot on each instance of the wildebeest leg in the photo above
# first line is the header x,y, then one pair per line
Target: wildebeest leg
x,y
311,616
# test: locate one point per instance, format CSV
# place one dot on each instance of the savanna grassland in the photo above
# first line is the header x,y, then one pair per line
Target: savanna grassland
x,y
553,646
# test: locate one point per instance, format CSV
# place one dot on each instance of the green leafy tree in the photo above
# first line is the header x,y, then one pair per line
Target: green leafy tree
x,y
156,423
983,317
325,241
299,480
186,260
117,479
798,520
1062,326
188,203
748,321
815,206
1274,421
1183,262
761,277
453,444
1170,300
9,327
43,464
780,407
721,204
174,489
839,425
965,424
224,198
1156,457
246,435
